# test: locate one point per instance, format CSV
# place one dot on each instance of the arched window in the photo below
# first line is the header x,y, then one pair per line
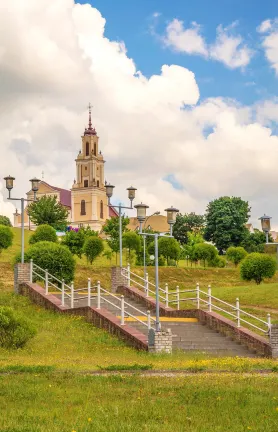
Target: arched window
x,y
83,207
95,149
97,183
101,209
87,149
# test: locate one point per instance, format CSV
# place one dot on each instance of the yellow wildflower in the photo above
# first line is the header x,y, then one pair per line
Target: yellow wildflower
x,y
89,419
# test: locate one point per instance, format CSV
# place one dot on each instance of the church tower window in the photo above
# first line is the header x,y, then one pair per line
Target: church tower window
x,y
101,209
87,149
97,183
86,183
83,207
95,149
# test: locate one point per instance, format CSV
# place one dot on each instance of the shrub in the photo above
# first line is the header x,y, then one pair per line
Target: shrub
x,y
161,261
15,331
6,237
218,261
52,256
4,220
74,240
257,267
44,233
236,254
205,252
172,263
93,247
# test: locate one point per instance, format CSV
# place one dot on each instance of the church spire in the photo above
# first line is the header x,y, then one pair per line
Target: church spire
x,y
90,130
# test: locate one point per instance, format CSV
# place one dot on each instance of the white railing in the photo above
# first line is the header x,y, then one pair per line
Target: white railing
x,y
101,295
202,300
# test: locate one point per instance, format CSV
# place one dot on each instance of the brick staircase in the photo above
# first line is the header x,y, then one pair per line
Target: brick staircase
x,y
188,334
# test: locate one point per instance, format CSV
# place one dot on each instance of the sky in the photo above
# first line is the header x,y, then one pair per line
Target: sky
x,y
184,97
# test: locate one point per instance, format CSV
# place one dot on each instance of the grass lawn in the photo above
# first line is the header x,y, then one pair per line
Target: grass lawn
x,y
82,403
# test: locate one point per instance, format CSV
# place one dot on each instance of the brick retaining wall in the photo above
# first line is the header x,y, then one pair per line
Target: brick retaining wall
x,y
101,318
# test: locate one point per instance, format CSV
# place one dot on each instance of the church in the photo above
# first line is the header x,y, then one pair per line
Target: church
x,y
86,202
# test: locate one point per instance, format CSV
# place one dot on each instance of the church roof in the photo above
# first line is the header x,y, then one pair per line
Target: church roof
x,y
65,194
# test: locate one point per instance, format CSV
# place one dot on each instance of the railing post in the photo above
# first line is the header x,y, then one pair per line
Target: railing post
x,y
167,295
128,275
209,298
89,292
46,281
63,292
72,295
98,294
31,271
149,319
147,285
122,310
269,324
178,297
237,312
198,295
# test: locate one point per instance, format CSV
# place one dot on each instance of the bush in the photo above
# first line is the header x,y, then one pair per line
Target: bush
x,y
74,240
44,233
172,263
4,220
205,252
6,237
236,254
257,267
218,261
52,256
93,247
15,331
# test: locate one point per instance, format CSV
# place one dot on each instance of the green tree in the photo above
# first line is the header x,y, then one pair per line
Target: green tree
x,y
236,254
52,256
255,242
225,222
6,237
93,247
108,253
4,220
187,223
168,247
257,267
15,330
111,229
48,211
44,233
205,252
75,240
131,241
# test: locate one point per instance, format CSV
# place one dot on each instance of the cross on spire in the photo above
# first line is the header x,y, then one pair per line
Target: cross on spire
x,y
90,115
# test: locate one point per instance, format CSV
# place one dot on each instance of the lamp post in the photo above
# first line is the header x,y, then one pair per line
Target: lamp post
x,y
35,187
266,227
265,222
131,195
141,216
144,241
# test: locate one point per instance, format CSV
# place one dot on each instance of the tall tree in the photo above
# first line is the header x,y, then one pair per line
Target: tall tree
x,y
111,229
4,220
189,222
48,211
225,222
255,242
131,241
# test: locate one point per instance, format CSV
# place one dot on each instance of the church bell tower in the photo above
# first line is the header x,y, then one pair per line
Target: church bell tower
x,y
88,194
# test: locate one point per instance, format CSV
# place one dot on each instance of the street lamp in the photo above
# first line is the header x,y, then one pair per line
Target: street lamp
x,y
144,242
141,216
35,187
131,195
171,217
265,222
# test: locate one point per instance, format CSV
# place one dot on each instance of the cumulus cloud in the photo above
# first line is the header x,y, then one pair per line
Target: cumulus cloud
x,y
186,40
151,129
228,47
269,31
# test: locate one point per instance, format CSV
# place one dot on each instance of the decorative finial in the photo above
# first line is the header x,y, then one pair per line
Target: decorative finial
x,y
90,116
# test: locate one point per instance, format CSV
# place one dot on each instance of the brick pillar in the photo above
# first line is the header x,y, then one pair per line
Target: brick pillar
x,y
160,341
21,274
117,280
274,341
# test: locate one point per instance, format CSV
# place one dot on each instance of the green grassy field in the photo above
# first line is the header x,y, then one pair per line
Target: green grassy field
x,y
82,403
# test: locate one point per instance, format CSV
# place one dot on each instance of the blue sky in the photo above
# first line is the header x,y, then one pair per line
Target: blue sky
x,y
130,21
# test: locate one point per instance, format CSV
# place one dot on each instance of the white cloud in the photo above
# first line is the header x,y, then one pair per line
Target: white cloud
x,y
186,40
145,132
228,47
270,41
